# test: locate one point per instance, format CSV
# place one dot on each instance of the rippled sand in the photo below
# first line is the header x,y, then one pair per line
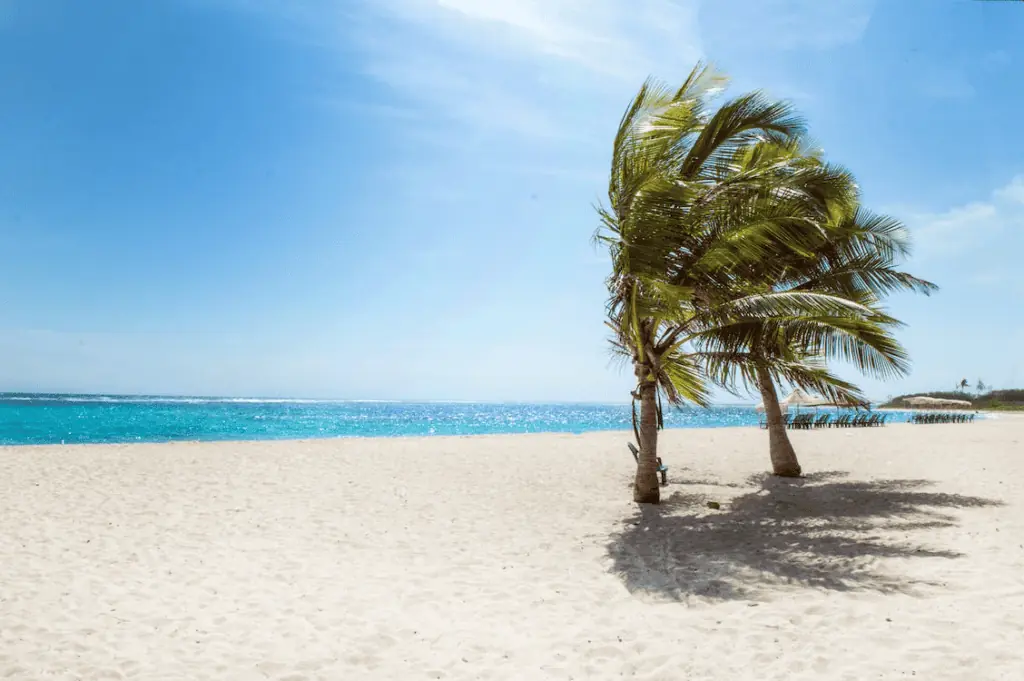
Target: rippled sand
x,y
517,557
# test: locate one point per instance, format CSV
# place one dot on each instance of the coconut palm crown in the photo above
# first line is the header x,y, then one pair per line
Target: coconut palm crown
x,y
696,200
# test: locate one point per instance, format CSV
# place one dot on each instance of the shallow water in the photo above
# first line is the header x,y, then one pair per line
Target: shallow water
x,y
53,419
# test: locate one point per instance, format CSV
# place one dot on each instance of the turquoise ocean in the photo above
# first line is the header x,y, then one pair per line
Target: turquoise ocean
x,y
52,419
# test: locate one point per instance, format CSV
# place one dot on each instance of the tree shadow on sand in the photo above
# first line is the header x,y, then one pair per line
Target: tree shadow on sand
x,y
819,532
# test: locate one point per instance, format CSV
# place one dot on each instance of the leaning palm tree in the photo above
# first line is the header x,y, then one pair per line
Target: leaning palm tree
x,y
856,260
683,219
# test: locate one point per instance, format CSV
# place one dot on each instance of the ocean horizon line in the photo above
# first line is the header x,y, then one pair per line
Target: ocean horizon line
x,y
242,399
80,418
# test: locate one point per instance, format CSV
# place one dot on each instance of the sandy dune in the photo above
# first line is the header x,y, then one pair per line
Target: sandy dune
x,y
518,557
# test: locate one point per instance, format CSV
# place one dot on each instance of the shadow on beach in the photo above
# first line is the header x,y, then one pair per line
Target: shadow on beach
x,y
818,532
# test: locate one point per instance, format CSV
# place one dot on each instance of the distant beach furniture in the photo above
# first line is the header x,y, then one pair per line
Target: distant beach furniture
x,y
810,420
662,468
801,398
933,417
925,402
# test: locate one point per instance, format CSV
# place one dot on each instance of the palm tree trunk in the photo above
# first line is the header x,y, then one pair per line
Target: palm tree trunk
x,y
784,461
646,489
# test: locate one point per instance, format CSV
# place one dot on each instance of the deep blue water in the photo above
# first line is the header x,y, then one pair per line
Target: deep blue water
x,y
52,419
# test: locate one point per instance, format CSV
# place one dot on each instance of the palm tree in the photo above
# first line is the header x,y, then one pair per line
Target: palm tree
x,y
849,254
856,261
963,385
685,216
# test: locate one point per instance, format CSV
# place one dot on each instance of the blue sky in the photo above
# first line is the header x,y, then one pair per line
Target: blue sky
x,y
393,198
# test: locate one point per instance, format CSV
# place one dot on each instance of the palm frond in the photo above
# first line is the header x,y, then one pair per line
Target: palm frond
x,y
745,120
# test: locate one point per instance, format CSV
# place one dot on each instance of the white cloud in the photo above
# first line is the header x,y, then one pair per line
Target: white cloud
x,y
539,69
459,94
1013,192
378,111
954,229
548,29
499,66
971,226
607,37
545,70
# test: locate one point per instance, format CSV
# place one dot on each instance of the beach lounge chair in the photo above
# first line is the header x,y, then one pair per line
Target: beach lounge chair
x,y
799,421
822,421
662,468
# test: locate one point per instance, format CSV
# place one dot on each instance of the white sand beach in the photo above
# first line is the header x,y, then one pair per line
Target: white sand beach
x,y
517,557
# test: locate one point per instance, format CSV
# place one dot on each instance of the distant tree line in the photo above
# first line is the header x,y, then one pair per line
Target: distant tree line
x,y
1012,400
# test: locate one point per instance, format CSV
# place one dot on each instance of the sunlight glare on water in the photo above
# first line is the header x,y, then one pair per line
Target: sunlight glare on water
x,y
51,419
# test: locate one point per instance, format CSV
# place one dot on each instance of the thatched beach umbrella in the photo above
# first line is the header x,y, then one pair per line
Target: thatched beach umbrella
x,y
925,402
922,401
798,398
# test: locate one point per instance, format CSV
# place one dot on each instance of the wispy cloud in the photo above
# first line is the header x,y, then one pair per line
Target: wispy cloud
x,y
528,67
447,90
1013,192
607,37
971,226
545,70
388,112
